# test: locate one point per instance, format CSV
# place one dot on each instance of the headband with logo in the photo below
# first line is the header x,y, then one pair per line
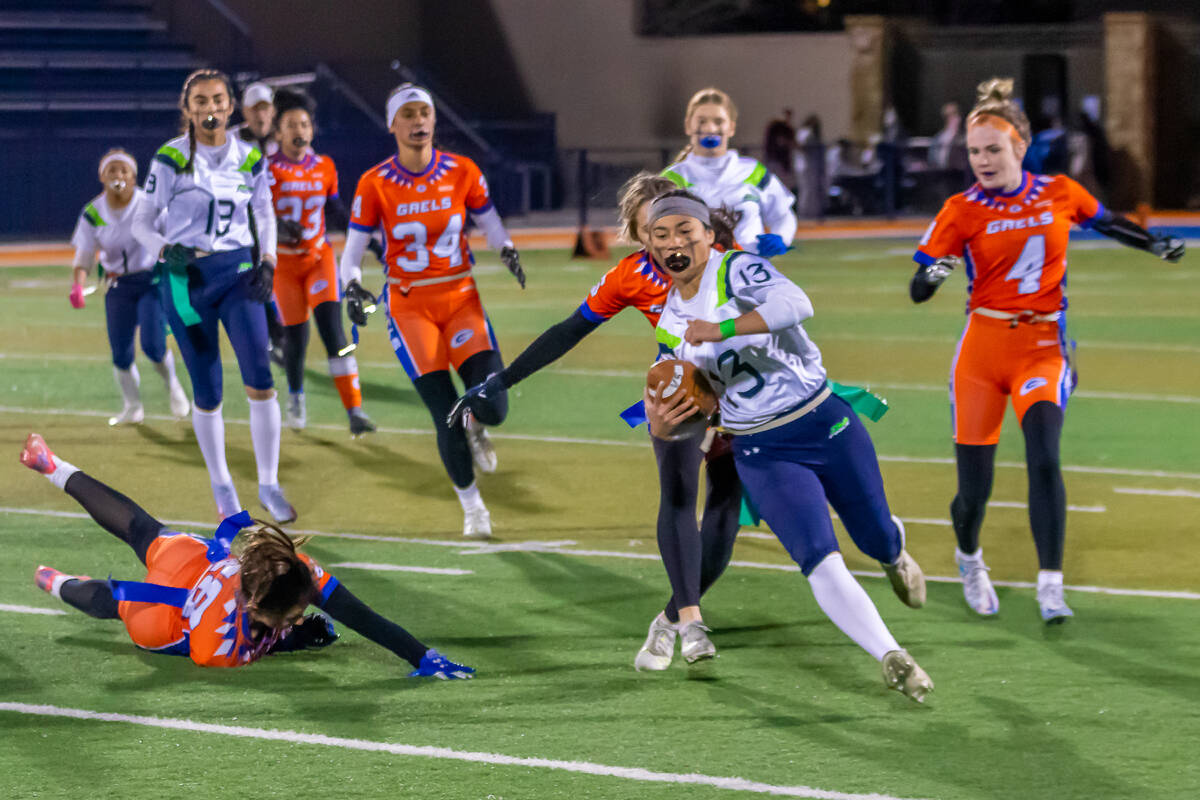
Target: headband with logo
x,y
409,94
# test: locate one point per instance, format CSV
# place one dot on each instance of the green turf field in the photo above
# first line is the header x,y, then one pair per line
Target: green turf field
x,y
1104,707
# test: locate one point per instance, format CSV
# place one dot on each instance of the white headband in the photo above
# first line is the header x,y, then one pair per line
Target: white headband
x,y
111,157
411,94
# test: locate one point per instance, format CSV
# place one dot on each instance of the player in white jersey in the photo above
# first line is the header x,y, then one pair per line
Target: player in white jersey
x,y
218,248
798,446
718,175
105,227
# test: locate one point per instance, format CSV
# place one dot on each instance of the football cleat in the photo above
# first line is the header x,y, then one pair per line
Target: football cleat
x,y
482,449
272,499
296,415
695,644
130,415
659,647
435,665
908,581
180,406
477,524
37,455
226,498
360,423
903,674
977,586
50,580
1053,605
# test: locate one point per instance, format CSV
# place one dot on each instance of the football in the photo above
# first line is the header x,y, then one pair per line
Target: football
x,y
682,376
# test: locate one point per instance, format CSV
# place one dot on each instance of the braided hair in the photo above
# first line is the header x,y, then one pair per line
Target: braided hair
x,y
186,124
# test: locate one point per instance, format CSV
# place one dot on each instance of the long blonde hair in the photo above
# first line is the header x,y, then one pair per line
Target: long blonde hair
x,y
709,95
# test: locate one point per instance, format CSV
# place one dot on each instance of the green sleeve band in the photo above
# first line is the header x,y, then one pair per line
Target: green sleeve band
x,y
728,328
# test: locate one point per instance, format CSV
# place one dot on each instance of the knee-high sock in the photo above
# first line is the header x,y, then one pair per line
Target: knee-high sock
x,y
210,433
166,370
344,370
93,598
847,604
127,381
265,422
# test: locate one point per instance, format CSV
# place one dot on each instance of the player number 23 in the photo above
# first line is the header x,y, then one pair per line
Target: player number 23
x,y
1028,269
446,246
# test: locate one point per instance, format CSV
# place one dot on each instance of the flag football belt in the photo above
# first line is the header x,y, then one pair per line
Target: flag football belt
x,y
1018,317
790,416
404,284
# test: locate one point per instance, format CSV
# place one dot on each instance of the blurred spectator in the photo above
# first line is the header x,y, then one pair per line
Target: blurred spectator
x,y
808,165
948,148
1048,152
1089,151
778,142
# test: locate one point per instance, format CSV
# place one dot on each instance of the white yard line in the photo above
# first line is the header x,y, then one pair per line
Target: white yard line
x,y
1156,492
49,612
443,753
367,565
1021,504
1136,473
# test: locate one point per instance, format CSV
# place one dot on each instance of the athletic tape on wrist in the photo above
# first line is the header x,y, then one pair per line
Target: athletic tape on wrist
x,y
728,328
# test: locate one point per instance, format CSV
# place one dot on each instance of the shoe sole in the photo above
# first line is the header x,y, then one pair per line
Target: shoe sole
x,y
651,663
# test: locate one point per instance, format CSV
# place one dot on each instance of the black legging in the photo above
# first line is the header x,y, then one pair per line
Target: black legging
x,y
438,393
694,557
328,317
1042,427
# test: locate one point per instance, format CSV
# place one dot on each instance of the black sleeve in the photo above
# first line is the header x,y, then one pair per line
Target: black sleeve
x,y
337,216
1125,231
347,609
550,346
920,289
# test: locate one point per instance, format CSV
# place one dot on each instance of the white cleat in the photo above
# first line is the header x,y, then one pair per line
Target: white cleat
x,y
695,644
908,581
272,499
903,674
482,449
226,497
977,586
477,524
180,406
659,647
296,414
1053,605
130,415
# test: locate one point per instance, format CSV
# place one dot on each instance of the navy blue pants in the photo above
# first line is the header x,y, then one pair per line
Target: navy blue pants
x,y
131,304
213,291
824,457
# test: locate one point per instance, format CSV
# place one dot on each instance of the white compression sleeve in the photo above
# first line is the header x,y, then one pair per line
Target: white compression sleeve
x,y
846,603
493,227
350,268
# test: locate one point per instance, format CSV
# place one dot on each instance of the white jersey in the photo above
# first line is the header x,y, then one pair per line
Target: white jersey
x,y
208,206
758,377
744,185
110,232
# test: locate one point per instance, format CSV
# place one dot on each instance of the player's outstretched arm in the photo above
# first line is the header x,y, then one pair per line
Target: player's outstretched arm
x,y
1130,234
356,615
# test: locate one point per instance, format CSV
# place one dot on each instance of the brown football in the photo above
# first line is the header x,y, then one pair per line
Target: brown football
x,y
683,376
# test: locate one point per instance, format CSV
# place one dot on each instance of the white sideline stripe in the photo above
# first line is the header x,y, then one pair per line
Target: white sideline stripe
x,y
1134,473
445,753
399,568
1156,492
1019,504
555,547
516,547
49,612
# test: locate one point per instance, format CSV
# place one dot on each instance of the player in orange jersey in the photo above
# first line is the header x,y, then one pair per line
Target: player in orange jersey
x,y
1011,230
694,556
421,197
303,186
199,600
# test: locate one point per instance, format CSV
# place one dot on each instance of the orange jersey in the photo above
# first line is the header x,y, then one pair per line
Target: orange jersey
x,y
217,627
299,190
422,214
1014,245
635,281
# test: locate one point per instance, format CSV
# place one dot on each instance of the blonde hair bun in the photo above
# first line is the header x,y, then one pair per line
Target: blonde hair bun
x,y
995,89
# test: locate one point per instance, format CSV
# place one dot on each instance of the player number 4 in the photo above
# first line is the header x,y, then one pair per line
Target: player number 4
x,y
1028,269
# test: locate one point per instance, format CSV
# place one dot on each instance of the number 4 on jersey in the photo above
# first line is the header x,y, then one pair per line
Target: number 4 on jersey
x,y
1028,269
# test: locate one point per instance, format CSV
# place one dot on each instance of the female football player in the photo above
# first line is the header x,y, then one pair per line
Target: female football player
x,y
218,253
711,169
694,556
199,599
421,197
798,447
303,186
131,302
1011,229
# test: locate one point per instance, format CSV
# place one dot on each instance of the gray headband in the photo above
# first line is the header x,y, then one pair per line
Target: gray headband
x,y
677,204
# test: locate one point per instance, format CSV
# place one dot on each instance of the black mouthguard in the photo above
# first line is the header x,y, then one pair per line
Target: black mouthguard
x,y
678,262
210,123
299,143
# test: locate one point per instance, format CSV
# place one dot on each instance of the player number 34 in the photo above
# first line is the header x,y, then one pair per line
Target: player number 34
x,y
446,246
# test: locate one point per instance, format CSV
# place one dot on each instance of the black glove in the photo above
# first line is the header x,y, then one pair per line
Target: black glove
x,y
512,260
289,230
1168,248
490,388
359,303
178,258
262,282
375,247
310,633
